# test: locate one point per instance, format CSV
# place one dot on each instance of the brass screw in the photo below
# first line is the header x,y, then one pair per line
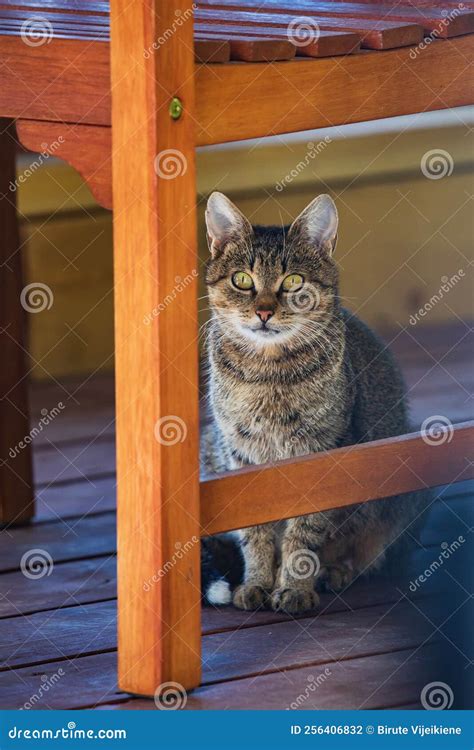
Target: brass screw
x,y
175,108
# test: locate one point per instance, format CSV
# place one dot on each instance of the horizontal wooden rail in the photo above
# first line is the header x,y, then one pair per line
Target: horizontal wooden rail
x,y
238,100
343,476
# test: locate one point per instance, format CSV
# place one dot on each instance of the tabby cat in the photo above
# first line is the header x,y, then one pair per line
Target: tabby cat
x,y
291,372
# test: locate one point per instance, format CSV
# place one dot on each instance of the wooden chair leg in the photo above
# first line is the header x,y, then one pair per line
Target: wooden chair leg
x,y
16,488
156,345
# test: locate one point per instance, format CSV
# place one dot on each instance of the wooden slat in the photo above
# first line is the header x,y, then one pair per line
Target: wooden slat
x,y
334,479
309,96
442,4
328,42
93,27
79,631
74,461
430,19
78,6
16,487
75,499
316,640
63,540
61,634
374,34
249,49
83,682
375,682
70,584
156,367
211,51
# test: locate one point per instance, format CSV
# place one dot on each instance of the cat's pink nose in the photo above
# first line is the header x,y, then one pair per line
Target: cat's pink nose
x,y
264,315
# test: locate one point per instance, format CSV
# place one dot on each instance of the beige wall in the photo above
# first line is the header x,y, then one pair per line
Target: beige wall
x,y
401,234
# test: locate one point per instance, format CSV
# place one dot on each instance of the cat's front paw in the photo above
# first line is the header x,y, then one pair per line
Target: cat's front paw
x,y
336,578
293,601
250,596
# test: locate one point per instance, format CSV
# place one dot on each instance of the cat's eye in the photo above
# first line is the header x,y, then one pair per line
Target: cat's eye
x,y
292,283
242,280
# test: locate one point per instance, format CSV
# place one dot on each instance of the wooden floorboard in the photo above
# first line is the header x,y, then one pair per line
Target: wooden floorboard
x,y
70,584
72,539
60,634
366,635
76,499
382,681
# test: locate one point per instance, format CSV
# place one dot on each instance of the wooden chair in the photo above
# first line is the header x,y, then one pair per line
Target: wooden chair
x,y
117,122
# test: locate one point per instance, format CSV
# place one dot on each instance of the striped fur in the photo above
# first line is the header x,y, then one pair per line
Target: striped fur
x,y
312,378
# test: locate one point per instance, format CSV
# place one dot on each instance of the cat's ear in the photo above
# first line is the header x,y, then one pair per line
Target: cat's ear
x,y
224,222
317,224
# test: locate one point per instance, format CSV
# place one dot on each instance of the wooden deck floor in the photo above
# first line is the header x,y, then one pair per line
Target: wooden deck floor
x,y
375,645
